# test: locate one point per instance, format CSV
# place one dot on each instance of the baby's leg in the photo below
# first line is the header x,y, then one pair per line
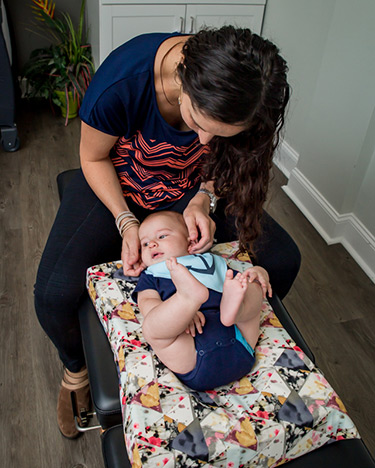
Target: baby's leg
x,y
188,287
241,304
164,326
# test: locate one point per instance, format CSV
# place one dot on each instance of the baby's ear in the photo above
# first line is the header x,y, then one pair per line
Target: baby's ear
x,y
191,243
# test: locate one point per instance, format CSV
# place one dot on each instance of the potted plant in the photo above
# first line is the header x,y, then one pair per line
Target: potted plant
x,y
62,71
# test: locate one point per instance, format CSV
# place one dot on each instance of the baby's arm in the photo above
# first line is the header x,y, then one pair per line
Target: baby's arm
x,y
197,324
259,275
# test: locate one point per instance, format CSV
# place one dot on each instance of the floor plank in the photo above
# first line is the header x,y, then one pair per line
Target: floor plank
x,y
332,303
30,369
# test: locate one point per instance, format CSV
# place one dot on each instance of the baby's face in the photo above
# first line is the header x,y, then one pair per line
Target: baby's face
x,y
163,236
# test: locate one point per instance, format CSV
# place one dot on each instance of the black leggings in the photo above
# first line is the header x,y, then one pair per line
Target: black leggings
x,y
84,234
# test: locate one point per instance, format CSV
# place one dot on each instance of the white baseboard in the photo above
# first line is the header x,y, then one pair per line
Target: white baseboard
x,y
285,158
346,228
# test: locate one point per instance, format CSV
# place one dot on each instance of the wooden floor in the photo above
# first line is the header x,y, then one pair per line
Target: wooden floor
x,y
332,303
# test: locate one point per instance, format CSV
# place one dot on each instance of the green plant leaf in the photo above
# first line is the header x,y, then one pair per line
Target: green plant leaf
x,y
67,63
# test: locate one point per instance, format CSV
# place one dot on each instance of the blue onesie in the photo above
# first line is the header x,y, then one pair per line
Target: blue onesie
x,y
223,355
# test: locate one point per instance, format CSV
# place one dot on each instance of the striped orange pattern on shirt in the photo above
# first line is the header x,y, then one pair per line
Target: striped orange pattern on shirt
x,y
154,173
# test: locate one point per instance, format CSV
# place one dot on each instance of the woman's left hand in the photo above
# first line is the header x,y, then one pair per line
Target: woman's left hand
x,y
199,224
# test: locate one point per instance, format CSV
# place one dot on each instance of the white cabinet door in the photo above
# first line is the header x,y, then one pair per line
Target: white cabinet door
x,y
119,23
245,16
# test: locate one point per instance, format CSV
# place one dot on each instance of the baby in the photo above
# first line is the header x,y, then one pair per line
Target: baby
x,y
179,292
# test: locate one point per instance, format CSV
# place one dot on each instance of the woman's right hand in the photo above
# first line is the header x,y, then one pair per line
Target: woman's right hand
x,y
200,226
130,255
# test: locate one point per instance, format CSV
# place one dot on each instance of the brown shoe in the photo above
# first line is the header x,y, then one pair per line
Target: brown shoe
x,y
65,415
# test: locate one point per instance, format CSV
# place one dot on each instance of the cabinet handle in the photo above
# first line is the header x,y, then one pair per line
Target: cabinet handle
x,y
181,24
191,24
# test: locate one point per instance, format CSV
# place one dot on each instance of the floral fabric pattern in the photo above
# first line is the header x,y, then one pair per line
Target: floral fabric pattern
x,y
280,411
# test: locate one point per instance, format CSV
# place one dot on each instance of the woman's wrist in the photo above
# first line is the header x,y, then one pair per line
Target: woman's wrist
x,y
211,196
200,201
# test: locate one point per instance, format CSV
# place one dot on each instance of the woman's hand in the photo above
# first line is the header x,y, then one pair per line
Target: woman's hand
x,y
199,224
130,255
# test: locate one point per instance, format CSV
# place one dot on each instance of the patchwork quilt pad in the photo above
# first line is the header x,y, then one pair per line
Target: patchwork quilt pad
x,y
281,410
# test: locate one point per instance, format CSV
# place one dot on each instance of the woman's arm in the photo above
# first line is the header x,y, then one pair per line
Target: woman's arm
x,y
101,175
98,168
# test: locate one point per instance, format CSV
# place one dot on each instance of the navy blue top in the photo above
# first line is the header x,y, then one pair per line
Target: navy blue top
x,y
155,162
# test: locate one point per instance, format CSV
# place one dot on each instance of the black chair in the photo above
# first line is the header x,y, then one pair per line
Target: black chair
x,y
104,386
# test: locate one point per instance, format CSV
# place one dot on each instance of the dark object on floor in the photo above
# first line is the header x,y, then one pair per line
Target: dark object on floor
x,y
9,136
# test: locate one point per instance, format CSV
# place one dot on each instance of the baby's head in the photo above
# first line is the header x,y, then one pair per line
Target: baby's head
x,y
163,234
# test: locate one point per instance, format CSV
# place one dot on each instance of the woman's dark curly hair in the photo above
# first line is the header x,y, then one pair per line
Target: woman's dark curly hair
x,y
239,78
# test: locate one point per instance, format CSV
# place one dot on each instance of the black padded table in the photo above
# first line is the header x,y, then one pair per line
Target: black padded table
x,y
102,370
104,384
344,454
103,376
113,448
105,395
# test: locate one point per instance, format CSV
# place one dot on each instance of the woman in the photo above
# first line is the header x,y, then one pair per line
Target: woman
x,y
168,122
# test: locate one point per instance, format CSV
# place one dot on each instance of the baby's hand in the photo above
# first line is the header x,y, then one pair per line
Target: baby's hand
x,y
196,324
259,275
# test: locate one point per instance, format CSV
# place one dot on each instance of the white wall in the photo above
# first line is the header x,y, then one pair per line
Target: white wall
x,y
330,131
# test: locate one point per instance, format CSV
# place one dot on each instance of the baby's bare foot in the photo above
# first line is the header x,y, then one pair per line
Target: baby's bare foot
x,y
234,291
186,284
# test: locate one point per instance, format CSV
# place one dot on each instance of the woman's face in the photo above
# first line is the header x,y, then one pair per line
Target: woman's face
x,y
205,126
